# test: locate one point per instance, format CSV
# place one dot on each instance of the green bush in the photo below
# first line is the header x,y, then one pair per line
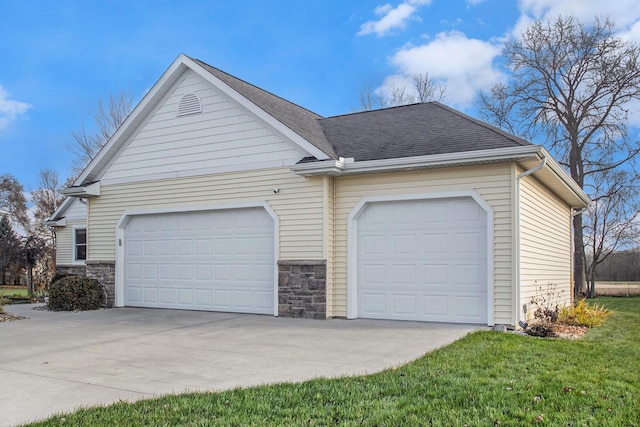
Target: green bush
x,y
57,277
75,293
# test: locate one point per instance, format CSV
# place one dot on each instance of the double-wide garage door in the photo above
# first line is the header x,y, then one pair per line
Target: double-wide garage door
x,y
210,260
423,260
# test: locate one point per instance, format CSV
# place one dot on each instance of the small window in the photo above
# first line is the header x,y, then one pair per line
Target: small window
x,y
189,104
80,244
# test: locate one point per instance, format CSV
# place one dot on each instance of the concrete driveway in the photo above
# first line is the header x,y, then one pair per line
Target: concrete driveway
x,y
57,362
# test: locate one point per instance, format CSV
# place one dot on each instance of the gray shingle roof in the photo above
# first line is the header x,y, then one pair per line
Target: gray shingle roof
x,y
405,131
412,130
300,120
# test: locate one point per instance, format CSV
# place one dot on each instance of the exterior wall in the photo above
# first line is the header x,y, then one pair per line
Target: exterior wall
x,y
545,244
298,204
76,216
302,289
79,270
493,183
224,137
104,272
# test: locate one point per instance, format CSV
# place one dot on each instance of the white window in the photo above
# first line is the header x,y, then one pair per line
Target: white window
x,y
79,244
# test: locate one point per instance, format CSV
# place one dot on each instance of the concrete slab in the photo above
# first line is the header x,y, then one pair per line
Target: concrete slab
x,y
57,362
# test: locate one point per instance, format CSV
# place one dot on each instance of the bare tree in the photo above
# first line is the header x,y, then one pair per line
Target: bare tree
x,y
423,89
107,120
45,200
571,84
12,201
611,221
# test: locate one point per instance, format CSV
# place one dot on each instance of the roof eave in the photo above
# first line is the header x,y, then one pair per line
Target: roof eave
x,y
92,189
338,167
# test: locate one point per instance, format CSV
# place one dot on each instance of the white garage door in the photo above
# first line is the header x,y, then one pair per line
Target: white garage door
x,y
211,260
423,260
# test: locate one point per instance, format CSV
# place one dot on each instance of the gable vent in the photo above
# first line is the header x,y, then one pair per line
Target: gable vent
x,y
189,104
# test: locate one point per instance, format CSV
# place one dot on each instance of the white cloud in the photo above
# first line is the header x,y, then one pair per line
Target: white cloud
x,y
391,18
9,109
625,13
461,64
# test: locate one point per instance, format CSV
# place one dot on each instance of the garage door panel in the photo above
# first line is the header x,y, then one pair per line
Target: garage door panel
x,y
210,260
422,260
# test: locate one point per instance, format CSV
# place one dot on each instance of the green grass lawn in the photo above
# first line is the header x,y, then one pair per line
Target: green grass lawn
x,y
485,379
11,291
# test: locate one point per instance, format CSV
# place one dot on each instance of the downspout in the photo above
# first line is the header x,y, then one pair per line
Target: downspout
x,y
519,308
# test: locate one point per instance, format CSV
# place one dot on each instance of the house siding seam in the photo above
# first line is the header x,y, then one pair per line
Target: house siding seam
x,y
545,241
492,184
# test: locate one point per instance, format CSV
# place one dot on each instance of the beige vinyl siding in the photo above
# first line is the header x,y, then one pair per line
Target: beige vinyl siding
x,y
222,138
493,183
545,242
298,205
64,241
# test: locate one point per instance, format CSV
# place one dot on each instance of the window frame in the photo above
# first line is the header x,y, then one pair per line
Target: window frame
x,y
77,260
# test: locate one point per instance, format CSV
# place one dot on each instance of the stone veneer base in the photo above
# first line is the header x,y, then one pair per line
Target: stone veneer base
x,y
302,288
105,273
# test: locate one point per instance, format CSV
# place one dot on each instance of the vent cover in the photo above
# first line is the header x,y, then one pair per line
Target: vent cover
x,y
189,104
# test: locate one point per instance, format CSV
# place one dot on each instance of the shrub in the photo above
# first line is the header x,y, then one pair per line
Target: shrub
x,y
540,330
75,293
583,314
3,301
57,277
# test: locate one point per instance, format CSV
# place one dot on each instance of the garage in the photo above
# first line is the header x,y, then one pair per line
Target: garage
x,y
217,260
422,260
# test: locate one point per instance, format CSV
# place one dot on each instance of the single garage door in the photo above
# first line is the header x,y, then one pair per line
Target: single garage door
x,y
423,260
211,260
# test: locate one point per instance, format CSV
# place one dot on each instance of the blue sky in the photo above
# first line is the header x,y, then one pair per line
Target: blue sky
x,y
59,58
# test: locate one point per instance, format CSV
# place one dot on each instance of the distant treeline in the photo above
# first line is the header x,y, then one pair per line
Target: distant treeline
x,y
623,266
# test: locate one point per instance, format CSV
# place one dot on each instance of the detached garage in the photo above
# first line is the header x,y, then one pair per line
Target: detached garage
x,y
217,195
216,260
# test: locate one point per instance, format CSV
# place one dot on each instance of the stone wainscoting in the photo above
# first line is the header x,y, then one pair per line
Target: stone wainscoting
x,y
105,273
302,288
78,270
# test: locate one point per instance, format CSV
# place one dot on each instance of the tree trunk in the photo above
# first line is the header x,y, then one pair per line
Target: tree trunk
x,y
578,258
30,280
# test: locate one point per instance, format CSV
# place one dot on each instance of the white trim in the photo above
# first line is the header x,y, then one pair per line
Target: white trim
x,y
92,189
352,241
126,217
76,261
337,167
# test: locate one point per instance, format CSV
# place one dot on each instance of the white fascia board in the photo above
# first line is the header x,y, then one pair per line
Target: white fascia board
x,y
253,108
62,222
62,209
92,189
418,162
111,148
573,186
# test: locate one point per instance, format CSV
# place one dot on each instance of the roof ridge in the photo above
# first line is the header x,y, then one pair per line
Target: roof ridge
x,y
256,87
486,125
353,113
